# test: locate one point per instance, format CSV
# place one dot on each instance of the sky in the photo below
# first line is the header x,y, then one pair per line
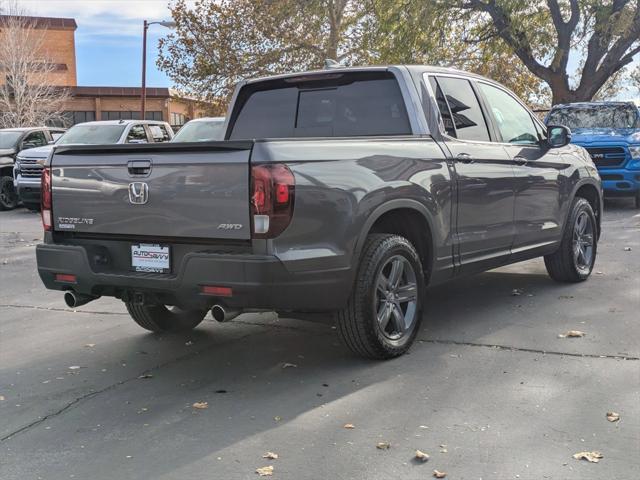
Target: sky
x,y
109,38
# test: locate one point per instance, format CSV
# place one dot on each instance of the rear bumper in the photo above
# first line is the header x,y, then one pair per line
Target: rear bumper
x,y
257,281
28,188
620,181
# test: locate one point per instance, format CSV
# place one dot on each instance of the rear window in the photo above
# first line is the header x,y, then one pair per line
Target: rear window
x,y
343,105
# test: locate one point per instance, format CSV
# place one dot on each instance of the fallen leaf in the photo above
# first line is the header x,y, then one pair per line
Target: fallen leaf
x,y
146,375
439,474
420,455
572,334
1,398
90,345
593,457
201,405
349,426
613,416
188,343
289,365
516,292
265,471
277,418
383,446
627,249
74,367
270,456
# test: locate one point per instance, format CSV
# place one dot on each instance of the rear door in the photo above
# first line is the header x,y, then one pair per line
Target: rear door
x,y
154,190
484,176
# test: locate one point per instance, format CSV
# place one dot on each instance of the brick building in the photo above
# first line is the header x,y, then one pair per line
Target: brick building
x,y
88,103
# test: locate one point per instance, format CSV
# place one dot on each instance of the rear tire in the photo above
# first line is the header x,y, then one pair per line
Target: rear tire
x,y
162,319
8,195
384,312
574,259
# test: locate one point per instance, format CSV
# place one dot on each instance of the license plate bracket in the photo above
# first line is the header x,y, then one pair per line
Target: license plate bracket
x,y
151,258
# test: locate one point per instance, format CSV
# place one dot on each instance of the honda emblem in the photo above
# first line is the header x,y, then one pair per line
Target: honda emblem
x,y
138,193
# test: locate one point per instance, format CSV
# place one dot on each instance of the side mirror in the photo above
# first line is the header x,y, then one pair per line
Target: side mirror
x,y
558,136
26,146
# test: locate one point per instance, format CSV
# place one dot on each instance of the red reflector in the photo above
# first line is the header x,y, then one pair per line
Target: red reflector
x,y
64,277
218,291
282,193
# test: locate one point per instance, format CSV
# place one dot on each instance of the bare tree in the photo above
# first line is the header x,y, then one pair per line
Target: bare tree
x,y
27,96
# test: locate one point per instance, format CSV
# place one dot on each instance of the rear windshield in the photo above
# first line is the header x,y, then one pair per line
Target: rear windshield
x,y
595,116
338,105
92,134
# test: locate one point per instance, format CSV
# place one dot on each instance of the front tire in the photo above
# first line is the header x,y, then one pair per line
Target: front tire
x,y
8,195
163,319
384,312
574,259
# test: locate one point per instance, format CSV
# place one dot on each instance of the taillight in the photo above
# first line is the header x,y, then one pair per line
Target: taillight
x,y
272,195
45,196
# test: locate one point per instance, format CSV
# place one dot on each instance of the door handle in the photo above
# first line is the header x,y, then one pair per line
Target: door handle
x,y
464,158
519,160
139,167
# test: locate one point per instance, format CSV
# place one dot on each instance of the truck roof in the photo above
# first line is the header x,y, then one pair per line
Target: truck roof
x,y
593,104
372,68
123,122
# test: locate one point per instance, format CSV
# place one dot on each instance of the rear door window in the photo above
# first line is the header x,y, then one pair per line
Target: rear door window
x,y
345,106
137,134
468,120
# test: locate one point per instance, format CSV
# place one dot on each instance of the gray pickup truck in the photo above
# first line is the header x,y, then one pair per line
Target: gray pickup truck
x,y
343,191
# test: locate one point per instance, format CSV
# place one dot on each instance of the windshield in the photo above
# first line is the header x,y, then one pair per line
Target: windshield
x,y
9,139
201,131
595,116
92,134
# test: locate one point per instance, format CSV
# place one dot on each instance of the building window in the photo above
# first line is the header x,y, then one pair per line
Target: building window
x,y
69,119
178,119
131,115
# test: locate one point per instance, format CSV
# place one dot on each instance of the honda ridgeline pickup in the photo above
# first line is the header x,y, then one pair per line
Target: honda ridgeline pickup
x,y
610,131
343,191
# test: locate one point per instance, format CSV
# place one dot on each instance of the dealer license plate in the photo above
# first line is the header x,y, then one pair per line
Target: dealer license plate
x,y
147,257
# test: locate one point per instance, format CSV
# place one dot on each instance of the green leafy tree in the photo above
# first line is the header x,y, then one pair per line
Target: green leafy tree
x,y
218,43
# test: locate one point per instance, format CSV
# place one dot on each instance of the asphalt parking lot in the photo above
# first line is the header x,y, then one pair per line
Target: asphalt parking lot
x,y
490,390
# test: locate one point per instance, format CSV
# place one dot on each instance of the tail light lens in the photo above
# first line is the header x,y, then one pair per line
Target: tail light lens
x,y
45,196
273,189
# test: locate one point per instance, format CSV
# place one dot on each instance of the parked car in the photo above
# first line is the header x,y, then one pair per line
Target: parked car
x,y
343,191
12,141
610,131
205,129
28,166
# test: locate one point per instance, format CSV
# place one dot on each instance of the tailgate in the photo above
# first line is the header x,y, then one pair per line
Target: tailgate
x,y
198,190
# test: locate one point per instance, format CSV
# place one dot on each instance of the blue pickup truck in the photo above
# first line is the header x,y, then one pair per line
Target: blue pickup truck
x,y
610,131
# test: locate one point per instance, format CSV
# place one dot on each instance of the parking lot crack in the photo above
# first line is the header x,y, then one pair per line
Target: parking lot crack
x,y
528,350
56,309
112,386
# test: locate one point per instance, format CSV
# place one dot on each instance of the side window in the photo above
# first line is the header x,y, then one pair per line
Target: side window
x,y
34,139
468,119
137,135
159,133
443,107
513,120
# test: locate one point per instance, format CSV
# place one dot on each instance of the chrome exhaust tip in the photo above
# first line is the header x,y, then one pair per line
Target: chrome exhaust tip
x,y
220,313
73,299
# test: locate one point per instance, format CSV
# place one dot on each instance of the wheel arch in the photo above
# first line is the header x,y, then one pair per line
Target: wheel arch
x,y
592,193
405,217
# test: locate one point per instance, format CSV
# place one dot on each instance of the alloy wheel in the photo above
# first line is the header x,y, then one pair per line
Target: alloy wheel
x,y
396,298
583,238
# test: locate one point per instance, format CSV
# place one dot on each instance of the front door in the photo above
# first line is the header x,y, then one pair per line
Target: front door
x,y
538,171
484,177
